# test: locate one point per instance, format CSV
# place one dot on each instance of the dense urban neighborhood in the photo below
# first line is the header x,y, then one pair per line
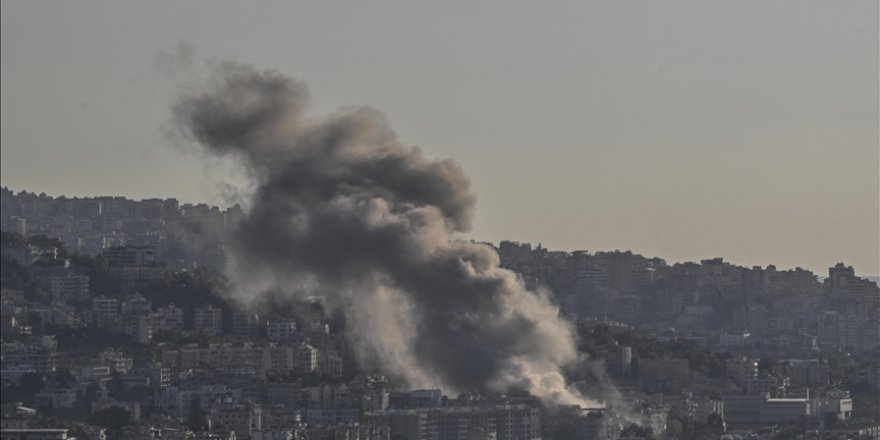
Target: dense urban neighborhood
x,y
117,324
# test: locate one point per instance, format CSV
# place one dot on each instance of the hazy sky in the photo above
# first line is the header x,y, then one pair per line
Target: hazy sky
x,y
685,130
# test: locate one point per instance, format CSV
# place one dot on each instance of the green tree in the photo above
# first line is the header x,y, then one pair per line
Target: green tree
x,y
63,378
198,417
12,276
116,386
674,428
716,422
84,399
77,431
100,282
634,430
28,386
113,419
830,420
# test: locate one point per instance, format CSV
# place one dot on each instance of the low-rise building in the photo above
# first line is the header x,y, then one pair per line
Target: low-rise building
x,y
784,410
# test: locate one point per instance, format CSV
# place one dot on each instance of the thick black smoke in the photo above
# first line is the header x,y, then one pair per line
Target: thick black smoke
x,y
341,208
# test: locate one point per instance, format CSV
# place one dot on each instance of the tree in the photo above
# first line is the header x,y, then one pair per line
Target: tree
x,y
634,430
12,276
830,420
38,295
113,419
84,399
716,422
100,282
9,238
787,433
197,418
674,428
63,378
116,386
28,386
77,431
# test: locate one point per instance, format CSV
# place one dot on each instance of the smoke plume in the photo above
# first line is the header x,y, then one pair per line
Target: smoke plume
x,y
341,208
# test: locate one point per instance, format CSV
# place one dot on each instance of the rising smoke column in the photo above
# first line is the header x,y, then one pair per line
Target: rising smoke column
x,y
341,208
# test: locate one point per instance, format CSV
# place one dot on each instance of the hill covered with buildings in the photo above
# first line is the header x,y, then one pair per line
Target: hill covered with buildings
x,y
115,320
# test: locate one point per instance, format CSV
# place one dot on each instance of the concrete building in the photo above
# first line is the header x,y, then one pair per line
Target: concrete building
x,y
208,320
686,406
168,318
577,423
36,355
837,402
864,430
140,327
160,376
246,324
416,399
508,422
741,370
831,330
337,431
132,277
622,360
841,278
23,255
134,266
242,419
773,384
807,373
95,373
281,360
56,312
177,402
784,410
68,286
755,410
280,330
130,255
55,398
305,358
138,304
33,434
105,310
742,410
329,363
738,339
116,360
16,224
330,415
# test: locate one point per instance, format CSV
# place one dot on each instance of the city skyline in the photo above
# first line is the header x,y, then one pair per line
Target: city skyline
x,y
821,274
756,141
427,221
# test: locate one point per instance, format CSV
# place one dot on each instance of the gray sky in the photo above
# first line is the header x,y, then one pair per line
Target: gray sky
x,y
685,130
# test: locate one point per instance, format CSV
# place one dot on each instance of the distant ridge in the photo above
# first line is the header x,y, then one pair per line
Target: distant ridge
x,y
820,274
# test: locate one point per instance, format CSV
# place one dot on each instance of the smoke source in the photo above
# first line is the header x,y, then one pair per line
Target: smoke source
x,y
342,209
